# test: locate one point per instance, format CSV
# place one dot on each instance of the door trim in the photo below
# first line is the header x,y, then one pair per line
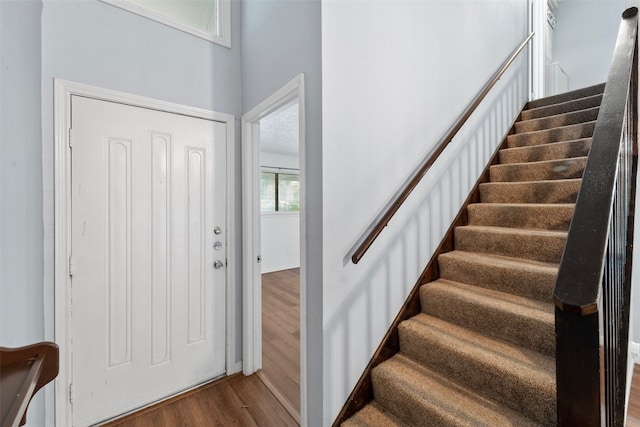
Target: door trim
x,y
252,294
537,21
63,90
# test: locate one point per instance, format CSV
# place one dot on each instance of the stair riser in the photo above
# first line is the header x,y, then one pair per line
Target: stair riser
x,y
524,282
509,326
373,415
542,216
536,247
463,367
557,121
566,107
539,171
568,96
530,192
390,394
566,133
553,151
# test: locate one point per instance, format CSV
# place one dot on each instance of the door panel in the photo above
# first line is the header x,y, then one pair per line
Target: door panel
x,y
148,305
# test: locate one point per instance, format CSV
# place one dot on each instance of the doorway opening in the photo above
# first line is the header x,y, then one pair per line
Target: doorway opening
x,y
273,260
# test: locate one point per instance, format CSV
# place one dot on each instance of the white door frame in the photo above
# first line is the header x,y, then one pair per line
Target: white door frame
x,y
538,23
252,293
62,223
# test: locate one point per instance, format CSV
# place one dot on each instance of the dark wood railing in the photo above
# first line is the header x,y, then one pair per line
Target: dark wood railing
x,y
592,291
381,221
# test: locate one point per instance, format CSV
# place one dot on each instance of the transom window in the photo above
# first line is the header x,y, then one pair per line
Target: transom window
x,y
208,19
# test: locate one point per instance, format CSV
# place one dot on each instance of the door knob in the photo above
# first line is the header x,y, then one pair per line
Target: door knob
x,y
218,264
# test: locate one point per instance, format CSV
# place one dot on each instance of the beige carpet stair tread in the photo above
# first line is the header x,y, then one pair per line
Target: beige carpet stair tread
x,y
526,278
539,171
547,191
500,315
555,216
566,96
558,134
374,415
540,245
551,151
425,398
563,107
514,376
565,119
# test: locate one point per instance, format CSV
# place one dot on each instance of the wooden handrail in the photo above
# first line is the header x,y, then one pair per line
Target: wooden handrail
x,y
593,286
580,273
381,221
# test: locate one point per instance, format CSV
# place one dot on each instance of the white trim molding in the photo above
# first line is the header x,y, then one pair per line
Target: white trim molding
x,y
222,35
252,293
64,90
538,23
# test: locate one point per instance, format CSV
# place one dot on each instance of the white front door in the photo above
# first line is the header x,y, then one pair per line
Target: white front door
x,y
148,256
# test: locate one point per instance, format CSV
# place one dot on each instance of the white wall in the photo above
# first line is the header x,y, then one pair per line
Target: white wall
x,y
21,230
584,39
281,39
395,76
280,241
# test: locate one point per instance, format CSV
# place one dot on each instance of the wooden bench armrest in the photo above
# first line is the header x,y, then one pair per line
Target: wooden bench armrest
x,y
24,371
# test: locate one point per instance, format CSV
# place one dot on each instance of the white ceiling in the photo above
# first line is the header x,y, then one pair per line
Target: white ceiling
x,y
279,131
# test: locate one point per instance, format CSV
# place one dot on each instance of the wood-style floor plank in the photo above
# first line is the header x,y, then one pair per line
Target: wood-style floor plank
x,y
232,401
281,333
240,400
633,412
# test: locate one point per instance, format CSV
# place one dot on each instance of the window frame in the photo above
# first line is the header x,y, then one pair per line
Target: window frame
x,y
222,37
276,172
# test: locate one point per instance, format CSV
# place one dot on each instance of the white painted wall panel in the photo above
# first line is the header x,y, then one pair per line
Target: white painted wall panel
x,y
395,77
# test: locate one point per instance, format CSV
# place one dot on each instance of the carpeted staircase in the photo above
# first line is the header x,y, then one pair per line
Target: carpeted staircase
x,y
481,352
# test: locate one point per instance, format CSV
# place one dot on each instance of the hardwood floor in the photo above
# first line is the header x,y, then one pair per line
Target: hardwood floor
x,y
233,401
281,336
633,413
246,401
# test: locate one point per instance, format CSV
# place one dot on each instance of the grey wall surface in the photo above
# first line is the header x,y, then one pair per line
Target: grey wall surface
x,y
281,39
584,39
21,231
